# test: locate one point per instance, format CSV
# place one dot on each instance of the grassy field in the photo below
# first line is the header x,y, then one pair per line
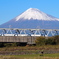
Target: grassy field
x,y
30,52
44,47
33,56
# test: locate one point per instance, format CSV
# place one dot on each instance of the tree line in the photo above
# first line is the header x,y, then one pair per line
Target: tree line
x,y
54,40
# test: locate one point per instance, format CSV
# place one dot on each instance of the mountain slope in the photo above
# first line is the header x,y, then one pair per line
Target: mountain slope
x,y
34,14
33,18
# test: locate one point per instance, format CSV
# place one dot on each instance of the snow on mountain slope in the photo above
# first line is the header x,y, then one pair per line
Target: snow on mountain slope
x,y
33,18
35,14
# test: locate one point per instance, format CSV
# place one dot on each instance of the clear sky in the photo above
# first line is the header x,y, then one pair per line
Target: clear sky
x,y
12,8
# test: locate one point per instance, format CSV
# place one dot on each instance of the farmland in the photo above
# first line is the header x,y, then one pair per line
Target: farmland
x,y
30,52
32,56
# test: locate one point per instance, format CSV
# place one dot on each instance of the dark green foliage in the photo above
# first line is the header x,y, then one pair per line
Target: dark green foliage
x,y
11,44
14,44
7,44
50,41
54,40
40,41
1,44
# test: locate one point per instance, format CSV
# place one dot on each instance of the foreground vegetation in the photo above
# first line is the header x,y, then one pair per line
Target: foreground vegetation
x,y
33,56
48,49
30,52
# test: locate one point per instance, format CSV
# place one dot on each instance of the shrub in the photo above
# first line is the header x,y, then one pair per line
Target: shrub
x,y
56,39
50,41
40,40
7,44
10,44
14,44
46,41
1,44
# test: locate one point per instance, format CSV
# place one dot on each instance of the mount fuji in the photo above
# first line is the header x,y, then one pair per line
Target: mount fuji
x,y
33,18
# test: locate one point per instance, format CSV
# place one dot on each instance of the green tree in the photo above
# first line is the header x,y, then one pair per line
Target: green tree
x,y
56,39
50,41
40,40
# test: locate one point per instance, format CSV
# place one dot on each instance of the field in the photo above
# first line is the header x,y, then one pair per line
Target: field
x,y
33,56
30,52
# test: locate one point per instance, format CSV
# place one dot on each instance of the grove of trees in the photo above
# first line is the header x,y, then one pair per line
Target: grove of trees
x,y
54,40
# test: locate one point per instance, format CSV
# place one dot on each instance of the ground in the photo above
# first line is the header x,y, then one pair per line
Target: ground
x,y
30,52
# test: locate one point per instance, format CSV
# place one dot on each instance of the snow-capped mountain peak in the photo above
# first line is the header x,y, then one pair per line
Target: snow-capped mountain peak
x,y
35,14
33,18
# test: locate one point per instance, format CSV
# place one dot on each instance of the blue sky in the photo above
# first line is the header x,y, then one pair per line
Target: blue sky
x,y
12,8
